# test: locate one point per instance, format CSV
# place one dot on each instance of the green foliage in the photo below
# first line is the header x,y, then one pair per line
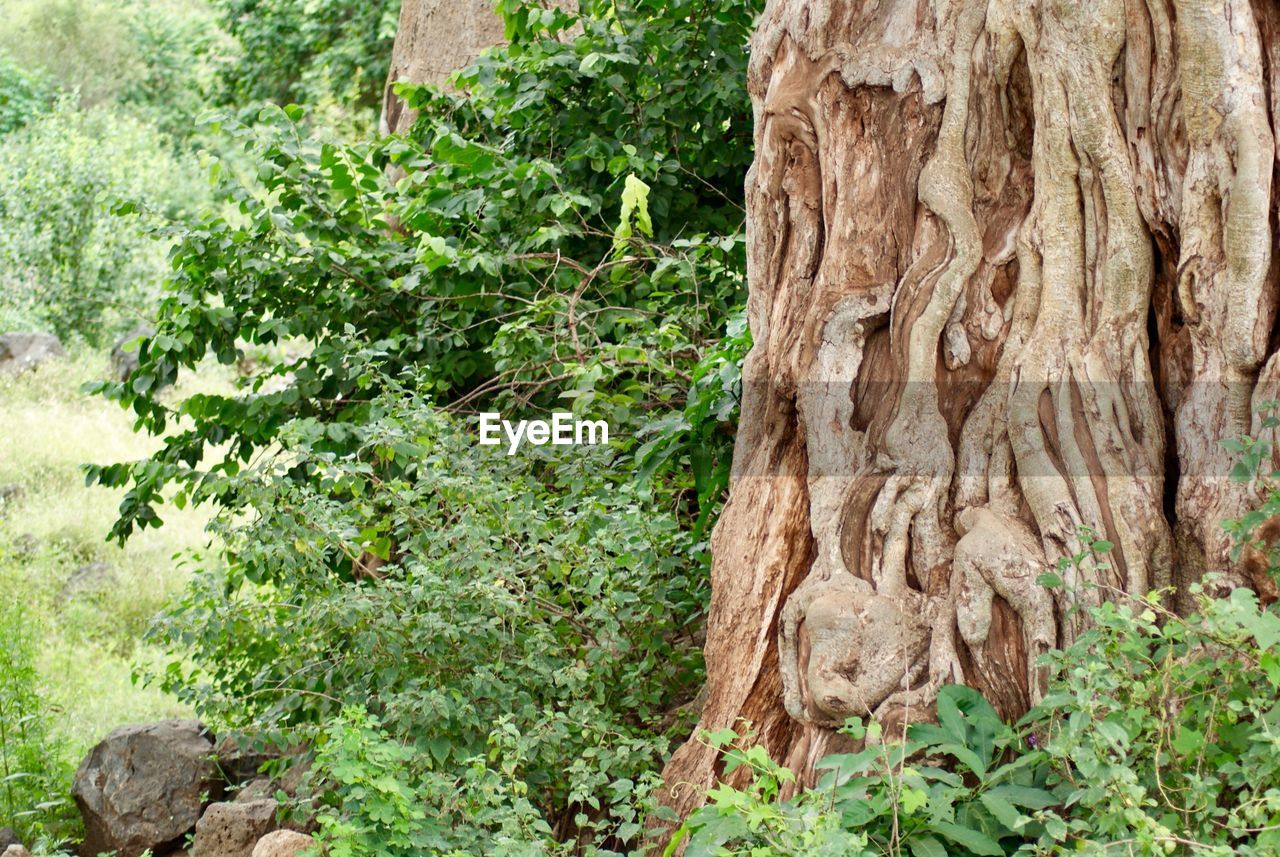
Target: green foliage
x,y
562,238
696,436
383,801
1166,728
148,58
308,52
967,785
33,783
66,263
176,42
83,44
23,95
555,613
507,288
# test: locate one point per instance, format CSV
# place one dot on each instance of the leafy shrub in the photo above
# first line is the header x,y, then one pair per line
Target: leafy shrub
x,y
83,44
23,95
150,57
33,782
66,262
382,801
510,286
968,785
306,52
1165,729
551,614
529,643
176,42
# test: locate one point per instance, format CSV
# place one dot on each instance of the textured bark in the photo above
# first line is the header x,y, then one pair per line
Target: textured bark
x,y
435,38
1012,274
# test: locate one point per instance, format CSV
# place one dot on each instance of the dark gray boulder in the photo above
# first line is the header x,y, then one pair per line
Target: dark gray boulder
x,y
125,356
144,787
21,352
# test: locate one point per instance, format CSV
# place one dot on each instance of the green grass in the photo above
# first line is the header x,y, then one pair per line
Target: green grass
x,y
88,645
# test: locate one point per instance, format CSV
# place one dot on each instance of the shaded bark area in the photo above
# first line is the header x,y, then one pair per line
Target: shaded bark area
x,y
1012,278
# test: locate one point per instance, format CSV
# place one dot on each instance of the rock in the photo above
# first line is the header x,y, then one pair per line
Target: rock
x,y
7,838
126,354
20,352
10,493
285,843
144,786
25,546
292,778
90,578
15,851
233,829
258,789
238,760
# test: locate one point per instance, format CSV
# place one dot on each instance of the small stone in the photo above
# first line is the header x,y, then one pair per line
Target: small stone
x,y
88,579
125,356
259,789
233,829
285,843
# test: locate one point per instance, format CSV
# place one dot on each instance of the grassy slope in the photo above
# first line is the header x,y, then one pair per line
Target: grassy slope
x,y
90,643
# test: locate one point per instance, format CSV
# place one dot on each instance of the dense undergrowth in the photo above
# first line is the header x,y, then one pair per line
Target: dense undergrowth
x,y
515,637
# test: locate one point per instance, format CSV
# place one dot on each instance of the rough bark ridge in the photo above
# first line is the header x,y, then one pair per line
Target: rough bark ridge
x,y
1012,274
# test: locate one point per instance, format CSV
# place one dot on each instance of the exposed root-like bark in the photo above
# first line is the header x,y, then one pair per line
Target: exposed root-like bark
x,y
967,220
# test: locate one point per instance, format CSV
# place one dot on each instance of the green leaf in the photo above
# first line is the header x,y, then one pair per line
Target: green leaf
x,y
977,842
926,846
912,799
1027,797
1188,741
635,211
1003,811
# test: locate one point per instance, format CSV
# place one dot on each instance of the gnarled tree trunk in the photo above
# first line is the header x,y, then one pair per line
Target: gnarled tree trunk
x,y
1012,275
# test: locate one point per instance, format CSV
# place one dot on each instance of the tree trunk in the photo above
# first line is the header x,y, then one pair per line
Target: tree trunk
x,y
1012,275
435,38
